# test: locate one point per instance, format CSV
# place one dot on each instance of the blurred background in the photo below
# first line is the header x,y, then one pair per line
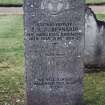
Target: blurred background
x,y
12,83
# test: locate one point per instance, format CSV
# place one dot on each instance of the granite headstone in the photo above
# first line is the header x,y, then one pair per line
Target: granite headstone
x,y
54,45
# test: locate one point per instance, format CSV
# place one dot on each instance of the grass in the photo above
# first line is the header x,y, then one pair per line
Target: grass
x,y
101,17
95,1
11,60
94,88
12,66
7,2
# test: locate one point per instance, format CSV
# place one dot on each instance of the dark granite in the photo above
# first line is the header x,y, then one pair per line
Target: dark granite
x,y
54,45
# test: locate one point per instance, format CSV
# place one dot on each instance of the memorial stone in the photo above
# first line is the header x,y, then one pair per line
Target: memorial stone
x,y
54,46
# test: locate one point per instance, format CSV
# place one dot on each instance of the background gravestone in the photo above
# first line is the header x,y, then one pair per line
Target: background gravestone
x,y
54,43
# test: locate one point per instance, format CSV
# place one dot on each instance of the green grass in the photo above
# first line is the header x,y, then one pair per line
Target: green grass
x,y
11,1
12,66
95,1
21,1
94,88
11,59
101,17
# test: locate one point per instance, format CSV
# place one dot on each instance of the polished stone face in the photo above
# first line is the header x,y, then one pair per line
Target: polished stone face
x,y
54,44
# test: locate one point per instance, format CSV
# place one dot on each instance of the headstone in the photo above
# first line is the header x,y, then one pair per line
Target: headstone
x,y
54,44
94,54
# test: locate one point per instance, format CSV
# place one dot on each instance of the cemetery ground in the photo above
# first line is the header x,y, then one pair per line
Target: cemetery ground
x,y
95,1
12,83
11,2
20,2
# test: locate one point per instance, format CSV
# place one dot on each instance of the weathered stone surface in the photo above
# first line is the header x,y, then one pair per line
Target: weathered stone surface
x,y
94,55
54,44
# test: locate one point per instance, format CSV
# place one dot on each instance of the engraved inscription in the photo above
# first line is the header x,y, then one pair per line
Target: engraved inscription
x,y
54,43
56,31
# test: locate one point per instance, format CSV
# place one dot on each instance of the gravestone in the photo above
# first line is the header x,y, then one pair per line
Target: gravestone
x,y
54,45
94,54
